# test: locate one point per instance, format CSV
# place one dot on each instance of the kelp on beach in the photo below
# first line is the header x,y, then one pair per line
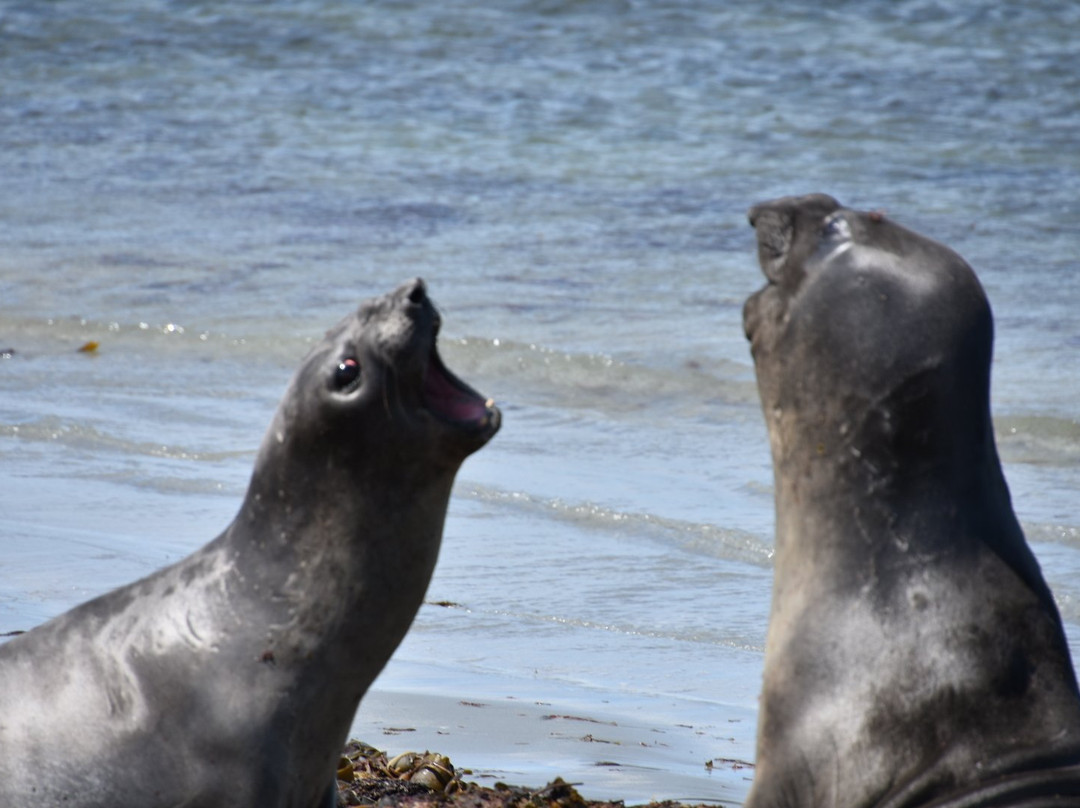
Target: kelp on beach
x,y
366,776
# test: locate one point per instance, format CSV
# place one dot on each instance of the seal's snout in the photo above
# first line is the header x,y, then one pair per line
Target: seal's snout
x,y
413,297
754,213
414,291
774,229
443,394
786,231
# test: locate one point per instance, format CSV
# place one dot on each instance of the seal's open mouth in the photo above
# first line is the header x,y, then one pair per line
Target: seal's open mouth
x,y
451,399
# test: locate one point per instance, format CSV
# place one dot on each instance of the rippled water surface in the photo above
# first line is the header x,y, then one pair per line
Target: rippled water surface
x,y
203,188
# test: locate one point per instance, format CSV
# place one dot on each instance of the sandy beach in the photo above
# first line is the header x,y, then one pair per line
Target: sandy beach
x,y
632,753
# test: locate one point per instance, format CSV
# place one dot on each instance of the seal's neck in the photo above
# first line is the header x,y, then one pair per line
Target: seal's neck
x,y
851,462
328,574
338,546
883,489
913,642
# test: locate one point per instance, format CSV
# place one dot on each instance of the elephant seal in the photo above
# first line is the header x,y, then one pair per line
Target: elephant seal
x,y
231,678
915,656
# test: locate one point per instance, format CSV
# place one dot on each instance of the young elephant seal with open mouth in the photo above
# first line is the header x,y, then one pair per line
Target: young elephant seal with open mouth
x,y
231,678
915,656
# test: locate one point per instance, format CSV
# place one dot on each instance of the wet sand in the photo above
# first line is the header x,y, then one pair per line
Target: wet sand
x,y
609,753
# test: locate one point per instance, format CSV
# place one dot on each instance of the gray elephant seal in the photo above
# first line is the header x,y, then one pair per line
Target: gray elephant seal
x,y
915,656
231,677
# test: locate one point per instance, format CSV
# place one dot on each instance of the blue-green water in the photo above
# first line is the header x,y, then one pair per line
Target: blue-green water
x,y
203,188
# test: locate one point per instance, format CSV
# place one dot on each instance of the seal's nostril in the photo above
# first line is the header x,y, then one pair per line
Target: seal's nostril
x,y
418,292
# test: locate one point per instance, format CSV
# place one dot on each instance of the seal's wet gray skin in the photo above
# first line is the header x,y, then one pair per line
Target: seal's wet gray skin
x,y
914,651
231,678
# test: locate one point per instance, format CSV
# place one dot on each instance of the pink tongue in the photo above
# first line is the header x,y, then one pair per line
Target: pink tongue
x,y
449,401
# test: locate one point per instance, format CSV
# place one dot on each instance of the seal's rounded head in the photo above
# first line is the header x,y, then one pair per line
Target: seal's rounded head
x,y
377,385
858,311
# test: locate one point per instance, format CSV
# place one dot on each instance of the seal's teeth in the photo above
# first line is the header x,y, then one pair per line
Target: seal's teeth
x,y
489,412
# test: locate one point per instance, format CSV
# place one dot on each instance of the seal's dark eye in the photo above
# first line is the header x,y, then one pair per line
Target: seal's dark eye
x,y
347,372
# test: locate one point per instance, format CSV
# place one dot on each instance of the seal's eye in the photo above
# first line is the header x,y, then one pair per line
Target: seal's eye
x,y
347,372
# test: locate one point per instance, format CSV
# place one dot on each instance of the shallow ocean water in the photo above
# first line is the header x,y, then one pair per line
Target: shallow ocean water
x,y
204,188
